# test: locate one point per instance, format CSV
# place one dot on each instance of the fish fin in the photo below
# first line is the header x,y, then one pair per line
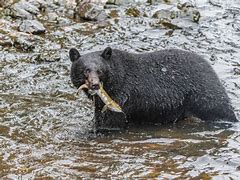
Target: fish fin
x,y
104,108
83,86
101,85
78,91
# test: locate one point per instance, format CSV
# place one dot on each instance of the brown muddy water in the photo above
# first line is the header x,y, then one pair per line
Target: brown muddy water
x,y
43,124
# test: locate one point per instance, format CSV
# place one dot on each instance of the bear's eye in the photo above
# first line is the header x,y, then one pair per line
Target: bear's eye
x,y
99,72
87,71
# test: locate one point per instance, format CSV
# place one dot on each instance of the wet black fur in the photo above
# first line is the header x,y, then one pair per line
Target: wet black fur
x,y
158,87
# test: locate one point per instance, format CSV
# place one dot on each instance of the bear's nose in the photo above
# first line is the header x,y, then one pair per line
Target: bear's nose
x,y
95,87
93,80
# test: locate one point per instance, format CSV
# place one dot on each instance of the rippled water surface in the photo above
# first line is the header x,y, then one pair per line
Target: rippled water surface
x,y
43,124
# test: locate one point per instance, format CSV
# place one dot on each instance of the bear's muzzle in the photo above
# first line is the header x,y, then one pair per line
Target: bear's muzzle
x,y
93,80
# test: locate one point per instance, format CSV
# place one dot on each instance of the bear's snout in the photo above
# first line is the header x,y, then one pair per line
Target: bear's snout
x,y
93,80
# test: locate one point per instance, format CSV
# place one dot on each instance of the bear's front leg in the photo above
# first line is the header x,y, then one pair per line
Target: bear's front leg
x,y
109,120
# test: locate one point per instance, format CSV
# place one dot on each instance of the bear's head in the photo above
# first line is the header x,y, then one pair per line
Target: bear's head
x,y
91,69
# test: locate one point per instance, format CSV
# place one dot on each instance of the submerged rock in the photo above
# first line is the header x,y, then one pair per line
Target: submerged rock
x,y
90,11
32,27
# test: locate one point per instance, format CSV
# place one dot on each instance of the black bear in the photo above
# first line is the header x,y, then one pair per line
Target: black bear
x,y
157,87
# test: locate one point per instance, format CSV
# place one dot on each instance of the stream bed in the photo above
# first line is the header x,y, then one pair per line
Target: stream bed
x,y
43,123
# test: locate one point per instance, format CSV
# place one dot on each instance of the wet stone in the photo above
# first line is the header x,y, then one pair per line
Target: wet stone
x,y
132,11
123,2
195,15
236,71
5,41
165,23
24,42
216,3
6,3
114,14
90,11
52,16
164,14
164,69
236,25
20,13
188,10
6,26
160,1
117,2
184,6
48,56
32,27
22,9
40,4
28,7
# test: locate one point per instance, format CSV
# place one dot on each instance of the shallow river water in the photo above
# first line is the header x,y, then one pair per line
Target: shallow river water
x,y
43,124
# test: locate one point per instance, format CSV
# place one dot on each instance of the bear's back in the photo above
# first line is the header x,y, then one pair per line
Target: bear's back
x,y
172,77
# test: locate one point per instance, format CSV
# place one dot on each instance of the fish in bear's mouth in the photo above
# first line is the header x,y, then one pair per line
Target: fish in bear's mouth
x,y
107,100
92,90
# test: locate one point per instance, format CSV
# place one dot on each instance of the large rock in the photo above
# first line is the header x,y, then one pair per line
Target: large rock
x,y
188,10
25,42
164,14
32,27
6,3
40,4
90,11
22,9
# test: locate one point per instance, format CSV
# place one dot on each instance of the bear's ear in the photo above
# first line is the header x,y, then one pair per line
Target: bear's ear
x,y
74,54
107,53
